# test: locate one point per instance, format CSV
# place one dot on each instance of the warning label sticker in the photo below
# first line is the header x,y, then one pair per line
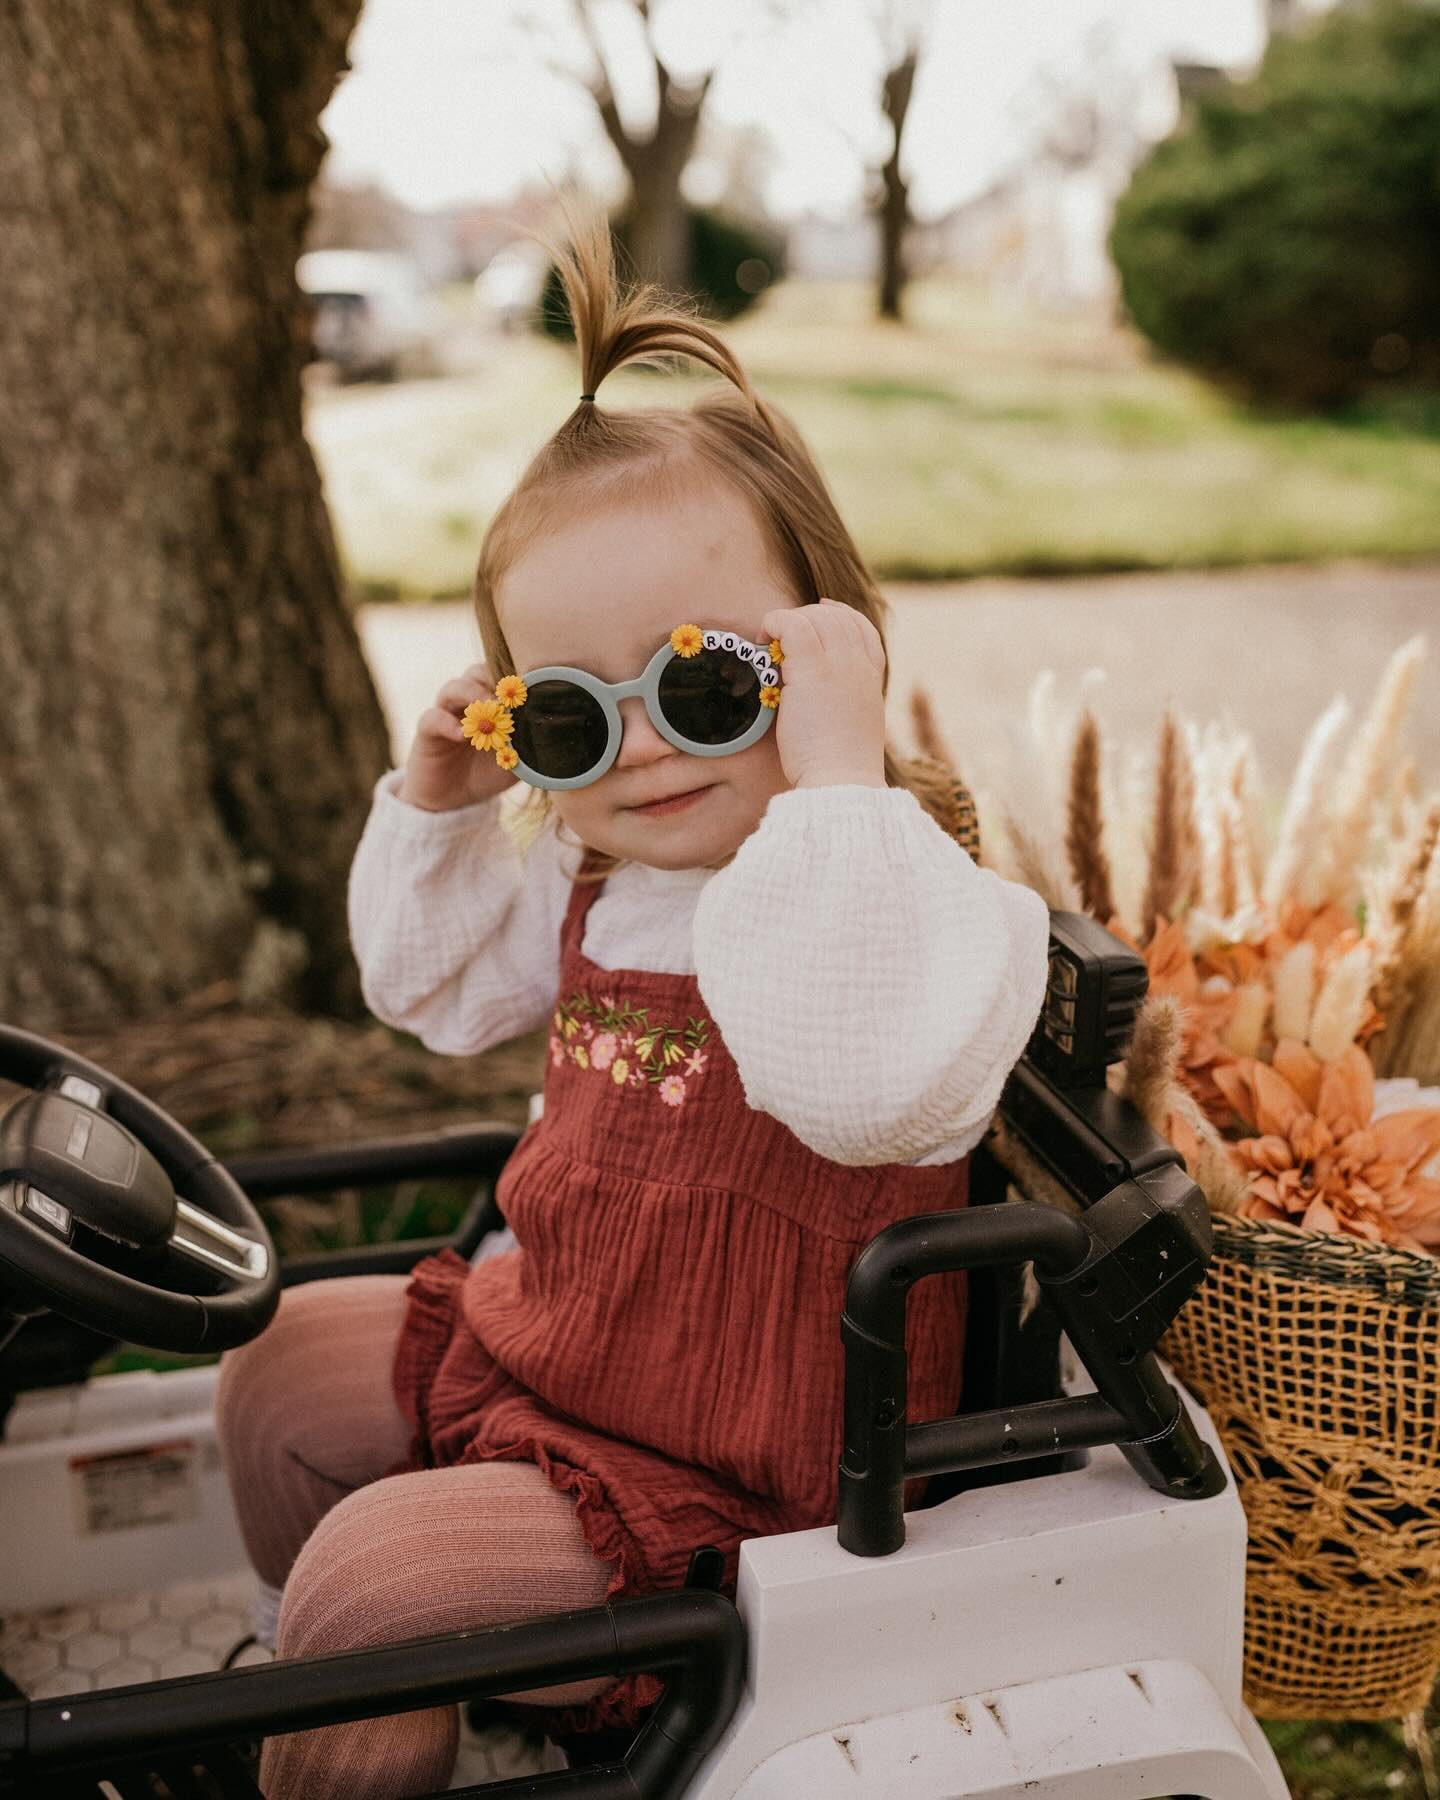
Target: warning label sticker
x,y
157,1484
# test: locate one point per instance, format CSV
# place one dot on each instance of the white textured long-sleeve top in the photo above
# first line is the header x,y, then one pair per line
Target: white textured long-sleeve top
x,y
872,983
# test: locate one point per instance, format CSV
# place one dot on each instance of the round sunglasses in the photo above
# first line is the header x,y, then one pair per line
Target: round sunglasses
x,y
707,692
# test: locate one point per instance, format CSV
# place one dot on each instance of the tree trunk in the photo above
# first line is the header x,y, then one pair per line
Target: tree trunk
x,y
894,218
658,221
894,205
659,226
188,732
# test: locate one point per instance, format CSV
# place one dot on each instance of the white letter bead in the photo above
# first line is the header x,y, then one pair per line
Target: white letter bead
x,y
728,641
712,640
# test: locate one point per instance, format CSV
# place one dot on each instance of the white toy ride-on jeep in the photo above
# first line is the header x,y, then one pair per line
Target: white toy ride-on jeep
x,y
1060,1620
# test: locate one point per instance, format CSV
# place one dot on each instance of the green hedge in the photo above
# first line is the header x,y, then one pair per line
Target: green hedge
x,y
1286,241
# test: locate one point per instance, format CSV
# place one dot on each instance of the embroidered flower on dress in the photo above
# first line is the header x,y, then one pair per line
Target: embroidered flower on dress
x,y
621,1039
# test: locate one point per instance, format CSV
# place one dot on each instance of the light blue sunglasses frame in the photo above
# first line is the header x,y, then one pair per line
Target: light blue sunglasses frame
x,y
647,688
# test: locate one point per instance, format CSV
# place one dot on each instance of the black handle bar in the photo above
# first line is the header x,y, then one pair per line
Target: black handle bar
x,y
1117,1275
695,1640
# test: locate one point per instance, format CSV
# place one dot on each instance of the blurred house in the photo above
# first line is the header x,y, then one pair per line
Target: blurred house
x,y
820,248
1041,229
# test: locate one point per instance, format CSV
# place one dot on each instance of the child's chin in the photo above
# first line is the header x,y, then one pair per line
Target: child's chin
x,y
679,841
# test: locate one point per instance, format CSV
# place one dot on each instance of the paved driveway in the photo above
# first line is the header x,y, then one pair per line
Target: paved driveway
x,y
1270,646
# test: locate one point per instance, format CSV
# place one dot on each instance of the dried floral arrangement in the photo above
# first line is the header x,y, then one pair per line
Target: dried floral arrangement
x,y
1290,1045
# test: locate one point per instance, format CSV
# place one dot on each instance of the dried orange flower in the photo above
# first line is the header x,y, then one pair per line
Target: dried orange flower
x,y
687,640
487,724
1322,1160
510,690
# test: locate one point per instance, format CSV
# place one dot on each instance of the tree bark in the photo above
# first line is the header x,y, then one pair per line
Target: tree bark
x,y
894,205
659,222
188,732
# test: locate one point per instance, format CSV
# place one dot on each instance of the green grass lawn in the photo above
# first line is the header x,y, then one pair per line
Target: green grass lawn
x,y
978,438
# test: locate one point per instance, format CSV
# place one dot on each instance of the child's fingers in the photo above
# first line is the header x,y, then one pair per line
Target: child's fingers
x,y
456,695
440,722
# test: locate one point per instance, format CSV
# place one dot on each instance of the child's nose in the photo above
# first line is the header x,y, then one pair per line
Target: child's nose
x,y
640,742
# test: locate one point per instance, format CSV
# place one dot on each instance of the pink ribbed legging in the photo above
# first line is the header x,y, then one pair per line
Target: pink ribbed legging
x,y
308,1423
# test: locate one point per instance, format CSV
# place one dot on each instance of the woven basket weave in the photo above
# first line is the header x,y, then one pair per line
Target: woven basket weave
x,y
1318,1357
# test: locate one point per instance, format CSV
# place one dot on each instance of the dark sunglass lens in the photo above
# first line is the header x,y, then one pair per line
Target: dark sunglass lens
x,y
560,731
710,698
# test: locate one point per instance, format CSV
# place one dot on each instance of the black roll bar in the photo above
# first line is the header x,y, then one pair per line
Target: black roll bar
x,y
476,1151
694,1639
1116,1274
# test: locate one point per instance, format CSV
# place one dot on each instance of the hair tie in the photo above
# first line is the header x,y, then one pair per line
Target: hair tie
x,y
589,397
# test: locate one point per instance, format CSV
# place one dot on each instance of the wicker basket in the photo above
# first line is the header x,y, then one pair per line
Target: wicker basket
x,y
1318,1357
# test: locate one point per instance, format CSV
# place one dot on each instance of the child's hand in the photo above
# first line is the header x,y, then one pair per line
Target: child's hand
x,y
444,770
830,725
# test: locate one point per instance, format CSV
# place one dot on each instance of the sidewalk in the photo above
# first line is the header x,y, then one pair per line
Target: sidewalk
x,y
1268,646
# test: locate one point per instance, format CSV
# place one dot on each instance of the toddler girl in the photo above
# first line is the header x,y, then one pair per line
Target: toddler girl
x,y
782,1003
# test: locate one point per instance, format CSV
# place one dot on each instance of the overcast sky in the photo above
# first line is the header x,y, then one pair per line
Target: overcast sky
x,y
448,102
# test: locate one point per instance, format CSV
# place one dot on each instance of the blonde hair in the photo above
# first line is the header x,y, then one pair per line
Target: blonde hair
x,y
657,453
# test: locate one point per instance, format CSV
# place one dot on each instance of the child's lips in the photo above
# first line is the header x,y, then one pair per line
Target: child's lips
x,y
672,802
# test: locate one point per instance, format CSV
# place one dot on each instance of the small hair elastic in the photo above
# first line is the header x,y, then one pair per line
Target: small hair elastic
x,y
589,397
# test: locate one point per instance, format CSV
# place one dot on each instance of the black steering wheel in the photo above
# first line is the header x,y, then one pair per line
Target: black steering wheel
x,y
113,1215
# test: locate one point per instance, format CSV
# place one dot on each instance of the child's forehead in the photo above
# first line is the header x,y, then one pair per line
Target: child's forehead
x,y
603,593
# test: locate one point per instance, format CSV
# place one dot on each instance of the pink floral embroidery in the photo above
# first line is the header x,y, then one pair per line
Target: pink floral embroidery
x,y
612,1036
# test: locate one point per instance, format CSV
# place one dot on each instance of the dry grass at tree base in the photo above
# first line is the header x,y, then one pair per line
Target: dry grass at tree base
x,y
248,1080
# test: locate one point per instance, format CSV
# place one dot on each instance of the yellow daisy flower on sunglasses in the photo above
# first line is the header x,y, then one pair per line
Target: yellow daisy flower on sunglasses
x,y
506,757
487,724
687,640
510,690
770,696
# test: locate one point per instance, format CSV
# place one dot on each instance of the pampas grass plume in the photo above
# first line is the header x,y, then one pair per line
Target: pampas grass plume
x,y
1085,822
1295,992
1246,1028
1222,1184
1300,827
1153,1057
929,738
1366,775
1173,842
1342,1003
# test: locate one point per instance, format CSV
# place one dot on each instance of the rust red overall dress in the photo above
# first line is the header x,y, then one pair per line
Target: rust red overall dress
x,y
665,1344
